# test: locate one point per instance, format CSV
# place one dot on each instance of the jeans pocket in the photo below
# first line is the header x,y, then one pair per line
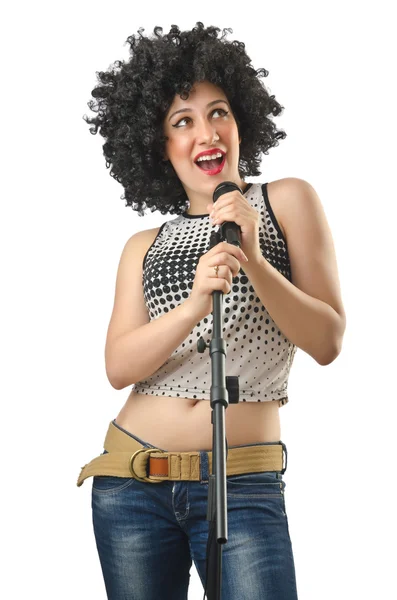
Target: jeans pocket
x,y
266,483
105,484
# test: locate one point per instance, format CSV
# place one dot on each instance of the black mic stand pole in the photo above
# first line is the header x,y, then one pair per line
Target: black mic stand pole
x,y
224,389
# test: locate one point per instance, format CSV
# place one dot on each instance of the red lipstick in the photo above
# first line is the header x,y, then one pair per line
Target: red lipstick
x,y
219,167
216,170
211,151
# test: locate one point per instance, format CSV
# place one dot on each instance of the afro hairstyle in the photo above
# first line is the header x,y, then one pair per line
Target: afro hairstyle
x,y
133,98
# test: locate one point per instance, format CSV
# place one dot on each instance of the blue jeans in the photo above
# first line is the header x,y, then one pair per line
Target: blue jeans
x,y
148,534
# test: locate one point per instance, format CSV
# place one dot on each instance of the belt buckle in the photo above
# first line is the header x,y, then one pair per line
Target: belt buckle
x,y
147,451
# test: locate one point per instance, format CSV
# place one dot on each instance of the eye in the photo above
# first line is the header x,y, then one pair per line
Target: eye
x,y
220,110
180,121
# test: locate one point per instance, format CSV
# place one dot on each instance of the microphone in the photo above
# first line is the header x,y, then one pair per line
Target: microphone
x,y
230,231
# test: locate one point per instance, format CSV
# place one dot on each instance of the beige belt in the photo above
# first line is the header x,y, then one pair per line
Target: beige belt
x,y
128,458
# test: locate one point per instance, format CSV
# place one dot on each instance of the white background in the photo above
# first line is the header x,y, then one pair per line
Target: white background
x,y
63,228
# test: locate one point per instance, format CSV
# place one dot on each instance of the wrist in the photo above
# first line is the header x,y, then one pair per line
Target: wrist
x,y
254,260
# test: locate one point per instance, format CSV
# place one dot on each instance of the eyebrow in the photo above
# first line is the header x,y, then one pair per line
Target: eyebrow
x,y
190,110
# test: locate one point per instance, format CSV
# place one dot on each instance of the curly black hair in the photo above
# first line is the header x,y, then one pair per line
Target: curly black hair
x,y
133,98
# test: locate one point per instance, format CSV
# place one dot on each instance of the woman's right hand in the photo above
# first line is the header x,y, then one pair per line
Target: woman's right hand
x,y
227,257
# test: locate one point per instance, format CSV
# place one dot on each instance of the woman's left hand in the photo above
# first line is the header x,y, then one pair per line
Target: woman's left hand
x,y
234,207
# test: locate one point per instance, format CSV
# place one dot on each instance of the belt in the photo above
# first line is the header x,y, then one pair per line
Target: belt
x,y
126,457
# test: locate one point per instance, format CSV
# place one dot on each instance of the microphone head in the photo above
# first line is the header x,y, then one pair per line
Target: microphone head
x,y
224,188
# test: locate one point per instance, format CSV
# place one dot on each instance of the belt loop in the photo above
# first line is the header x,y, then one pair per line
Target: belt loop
x,y
204,467
286,457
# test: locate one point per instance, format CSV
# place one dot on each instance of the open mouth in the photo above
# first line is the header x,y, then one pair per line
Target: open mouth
x,y
211,166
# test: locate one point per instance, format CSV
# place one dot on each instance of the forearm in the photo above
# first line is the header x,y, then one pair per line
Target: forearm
x,y
138,354
307,322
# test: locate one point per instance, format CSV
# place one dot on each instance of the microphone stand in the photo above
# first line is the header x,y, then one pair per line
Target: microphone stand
x,y
224,389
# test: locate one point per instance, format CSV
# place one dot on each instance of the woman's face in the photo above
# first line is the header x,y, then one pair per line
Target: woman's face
x,y
204,122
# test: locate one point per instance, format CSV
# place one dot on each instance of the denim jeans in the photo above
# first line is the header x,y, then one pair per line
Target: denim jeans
x,y
148,534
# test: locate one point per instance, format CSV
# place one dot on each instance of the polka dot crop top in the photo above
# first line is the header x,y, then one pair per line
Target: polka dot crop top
x,y
257,351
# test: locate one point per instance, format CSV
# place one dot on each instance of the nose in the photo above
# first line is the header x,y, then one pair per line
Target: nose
x,y
206,133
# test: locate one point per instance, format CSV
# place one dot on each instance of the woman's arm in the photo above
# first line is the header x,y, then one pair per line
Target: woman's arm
x,y
308,311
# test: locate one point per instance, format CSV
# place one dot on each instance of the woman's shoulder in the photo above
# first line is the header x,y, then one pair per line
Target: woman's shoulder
x,y
150,233
139,242
145,235
281,193
284,189
276,197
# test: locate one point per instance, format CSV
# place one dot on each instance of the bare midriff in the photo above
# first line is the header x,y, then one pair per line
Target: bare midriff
x,y
182,424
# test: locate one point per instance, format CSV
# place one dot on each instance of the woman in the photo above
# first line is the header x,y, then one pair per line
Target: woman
x,y
186,113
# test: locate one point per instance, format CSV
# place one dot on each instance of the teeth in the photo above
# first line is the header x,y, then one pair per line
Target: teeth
x,y
210,157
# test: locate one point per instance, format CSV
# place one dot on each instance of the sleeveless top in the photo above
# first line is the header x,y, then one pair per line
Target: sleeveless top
x,y
256,350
